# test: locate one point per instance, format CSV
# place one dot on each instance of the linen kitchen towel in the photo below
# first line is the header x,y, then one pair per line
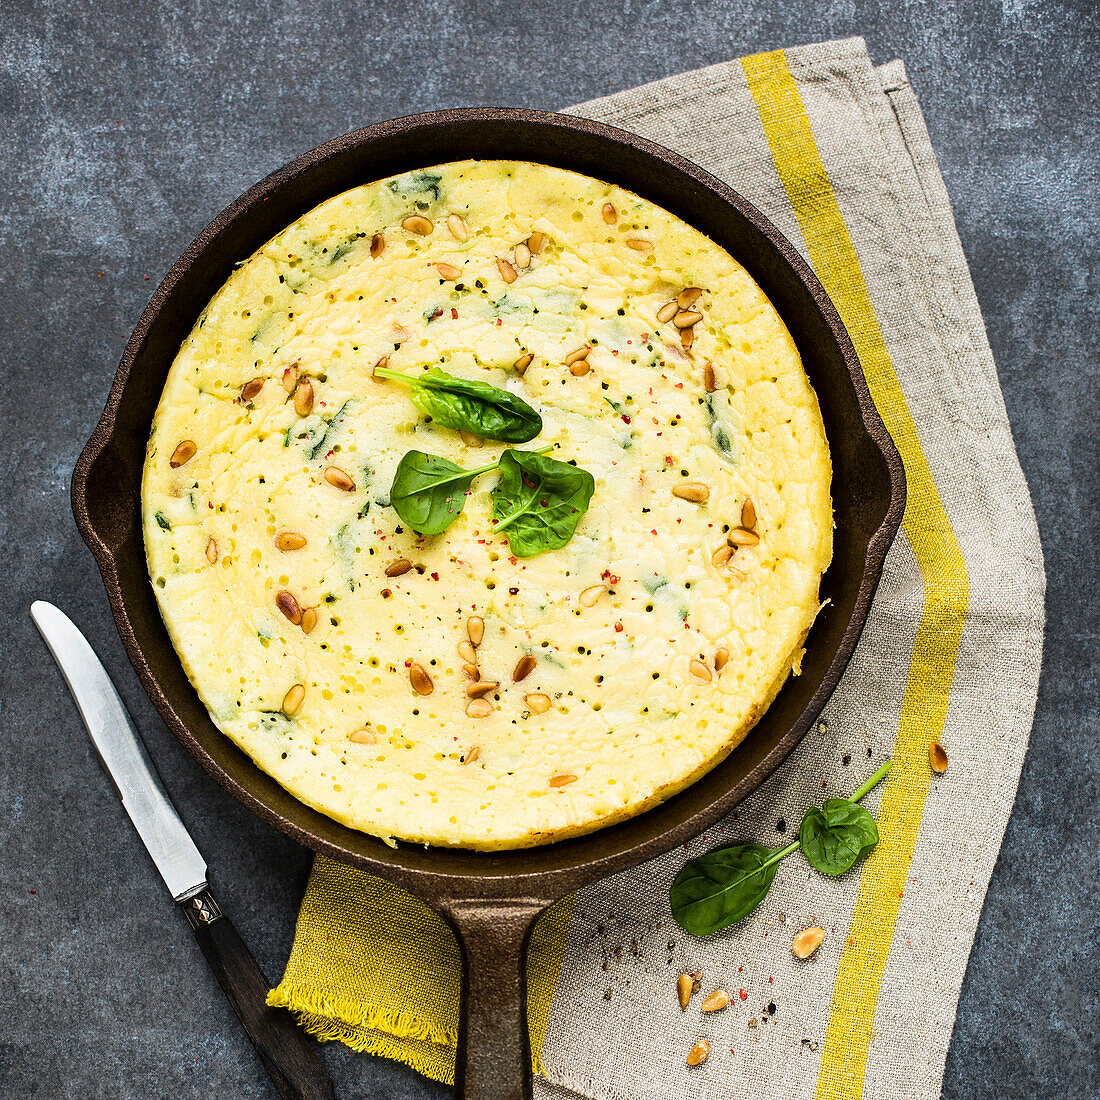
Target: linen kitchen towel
x,y
834,150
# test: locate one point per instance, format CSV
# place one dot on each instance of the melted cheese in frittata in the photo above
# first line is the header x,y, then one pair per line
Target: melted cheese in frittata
x,y
304,611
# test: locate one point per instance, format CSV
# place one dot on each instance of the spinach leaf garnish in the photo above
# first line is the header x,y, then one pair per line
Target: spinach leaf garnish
x,y
723,886
835,838
429,492
469,405
162,521
539,501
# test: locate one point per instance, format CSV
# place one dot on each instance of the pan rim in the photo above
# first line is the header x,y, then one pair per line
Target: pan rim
x,y
400,865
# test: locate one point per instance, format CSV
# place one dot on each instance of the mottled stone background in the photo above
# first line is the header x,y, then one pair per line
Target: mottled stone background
x,y
127,124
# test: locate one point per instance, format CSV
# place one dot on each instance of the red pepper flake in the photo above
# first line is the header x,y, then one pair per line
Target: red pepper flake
x,y
742,994
454,314
435,576
626,419
618,628
499,322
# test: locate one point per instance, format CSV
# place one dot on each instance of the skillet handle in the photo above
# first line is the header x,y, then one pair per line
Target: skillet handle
x,y
493,1061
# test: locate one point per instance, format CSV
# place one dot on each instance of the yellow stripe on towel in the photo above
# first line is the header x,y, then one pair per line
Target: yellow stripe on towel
x,y
933,541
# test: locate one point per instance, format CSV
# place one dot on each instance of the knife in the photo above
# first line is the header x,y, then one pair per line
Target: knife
x,y
290,1055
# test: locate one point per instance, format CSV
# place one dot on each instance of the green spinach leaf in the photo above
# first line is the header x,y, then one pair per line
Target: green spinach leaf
x,y
837,836
328,429
539,501
469,405
724,886
429,492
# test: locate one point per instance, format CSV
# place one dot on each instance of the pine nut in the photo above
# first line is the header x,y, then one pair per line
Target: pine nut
x,y
448,271
475,629
290,379
303,397
288,605
721,657
536,242
610,214
695,491
290,540
458,227
538,702
639,245
292,701
937,758
420,680
382,364
748,514
471,671
580,368
398,568
507,271
522,363
667,312
470,439
338,479
685,986
806,943
740,537
687,338
700,671
686,319
377,246
212,551
710,382
467,652
183,454
577,355
721,556
418,224
698,1053
562,780
251,390
362,736
309,620
522,256
688,296
718,1000
481,687
471,755
479,708
589,596
524,667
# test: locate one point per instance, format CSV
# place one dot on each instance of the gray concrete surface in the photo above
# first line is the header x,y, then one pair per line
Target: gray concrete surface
x,y
127,124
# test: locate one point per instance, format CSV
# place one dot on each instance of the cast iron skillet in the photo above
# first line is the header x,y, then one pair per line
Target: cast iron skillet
x,y
491,900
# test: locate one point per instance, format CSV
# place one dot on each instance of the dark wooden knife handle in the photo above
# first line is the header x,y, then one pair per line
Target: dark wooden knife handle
x,y
289,1054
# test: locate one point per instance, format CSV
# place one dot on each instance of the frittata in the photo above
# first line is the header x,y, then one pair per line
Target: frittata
x,y
482,687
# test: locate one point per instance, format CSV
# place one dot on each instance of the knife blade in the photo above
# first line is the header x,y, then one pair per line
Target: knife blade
x,y
289,1055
